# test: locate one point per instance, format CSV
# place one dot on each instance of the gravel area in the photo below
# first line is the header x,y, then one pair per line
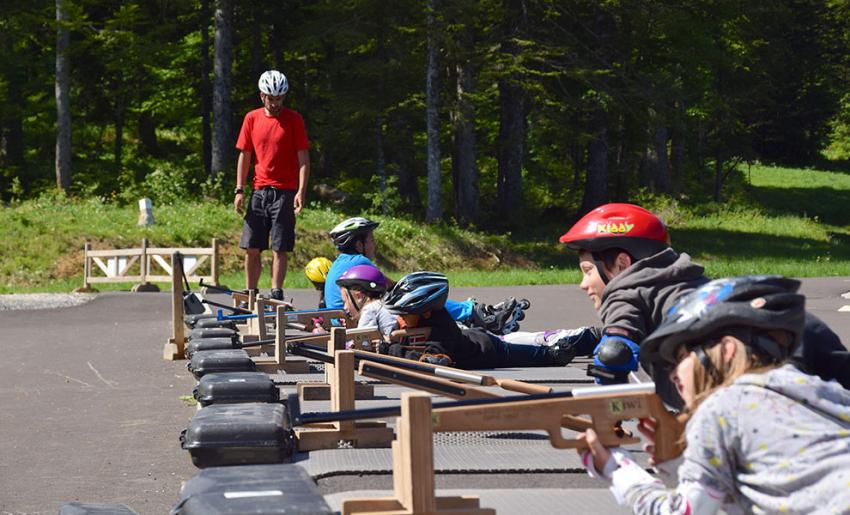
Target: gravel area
x,y
43,300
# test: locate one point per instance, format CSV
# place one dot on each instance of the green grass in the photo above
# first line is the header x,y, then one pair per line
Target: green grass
x,y
788,221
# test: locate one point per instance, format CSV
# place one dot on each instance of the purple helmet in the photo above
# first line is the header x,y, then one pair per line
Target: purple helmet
x,y
364,277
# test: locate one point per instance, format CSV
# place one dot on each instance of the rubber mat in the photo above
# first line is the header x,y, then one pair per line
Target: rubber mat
x,y
586,501
475,455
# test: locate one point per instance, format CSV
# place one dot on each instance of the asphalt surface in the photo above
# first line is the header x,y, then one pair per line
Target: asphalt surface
x,y
92,413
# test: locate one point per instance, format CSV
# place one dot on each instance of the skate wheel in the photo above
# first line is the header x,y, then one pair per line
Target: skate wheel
x,y
524,303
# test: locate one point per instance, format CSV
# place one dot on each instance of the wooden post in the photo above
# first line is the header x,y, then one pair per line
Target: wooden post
x,y
174,347
279,362
214,263
145,285
413,470
144,264
342,386
360,434
325,391
86,287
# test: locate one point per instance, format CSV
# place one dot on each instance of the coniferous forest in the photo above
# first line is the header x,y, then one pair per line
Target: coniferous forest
x,y
487,113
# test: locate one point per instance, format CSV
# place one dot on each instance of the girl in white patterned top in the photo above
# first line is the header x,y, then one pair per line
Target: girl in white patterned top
x,y
762,437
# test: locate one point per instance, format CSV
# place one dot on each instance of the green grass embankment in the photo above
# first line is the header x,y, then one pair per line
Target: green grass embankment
x,y
787,221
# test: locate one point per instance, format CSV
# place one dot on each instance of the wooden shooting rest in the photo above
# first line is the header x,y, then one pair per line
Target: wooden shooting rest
x,y
359,434
466,391
278,361
176,344
413,471
323,391
362,391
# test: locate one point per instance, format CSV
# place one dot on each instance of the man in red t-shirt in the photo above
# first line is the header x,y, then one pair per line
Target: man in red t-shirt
x,y
275,135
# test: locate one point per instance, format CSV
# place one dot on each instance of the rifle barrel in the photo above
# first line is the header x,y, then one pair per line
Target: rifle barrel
x,y
299,419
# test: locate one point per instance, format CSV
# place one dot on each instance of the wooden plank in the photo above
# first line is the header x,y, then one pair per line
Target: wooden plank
x,y
130,262
166,278
115,253
124,279
161,262
198,262
186,251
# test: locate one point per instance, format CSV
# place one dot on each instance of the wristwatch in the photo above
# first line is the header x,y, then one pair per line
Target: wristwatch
x,y
238,190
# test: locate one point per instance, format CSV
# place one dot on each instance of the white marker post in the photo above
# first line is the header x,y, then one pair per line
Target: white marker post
x,y
146,212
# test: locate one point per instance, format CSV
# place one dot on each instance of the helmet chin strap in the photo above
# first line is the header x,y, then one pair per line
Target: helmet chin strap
x,y
352,298
600,267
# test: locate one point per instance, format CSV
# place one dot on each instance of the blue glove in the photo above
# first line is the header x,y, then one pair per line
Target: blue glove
x,y
613,358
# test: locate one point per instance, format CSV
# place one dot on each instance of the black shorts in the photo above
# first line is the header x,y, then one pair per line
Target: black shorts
x,y
270,212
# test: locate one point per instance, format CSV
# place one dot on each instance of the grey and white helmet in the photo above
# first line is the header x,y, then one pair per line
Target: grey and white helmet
x,y
417,293
273,83
758,302
348,232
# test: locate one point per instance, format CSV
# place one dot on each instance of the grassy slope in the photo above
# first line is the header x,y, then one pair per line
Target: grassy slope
x,y
795,226
793,223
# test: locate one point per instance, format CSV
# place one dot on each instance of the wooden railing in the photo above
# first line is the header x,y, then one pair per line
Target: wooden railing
x,y
147,264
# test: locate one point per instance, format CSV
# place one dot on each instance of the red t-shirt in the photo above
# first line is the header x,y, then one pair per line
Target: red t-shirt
x,y
275,142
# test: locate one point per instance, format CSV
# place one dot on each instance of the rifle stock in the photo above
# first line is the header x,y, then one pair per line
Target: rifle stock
x,y
604,409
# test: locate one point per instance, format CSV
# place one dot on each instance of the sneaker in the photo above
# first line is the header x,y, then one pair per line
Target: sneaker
x,y
277,294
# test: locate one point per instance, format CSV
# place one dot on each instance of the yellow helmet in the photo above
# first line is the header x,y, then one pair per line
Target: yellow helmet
x,y
317,269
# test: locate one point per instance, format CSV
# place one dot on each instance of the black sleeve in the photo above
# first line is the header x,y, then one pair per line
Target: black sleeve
x,y
822,353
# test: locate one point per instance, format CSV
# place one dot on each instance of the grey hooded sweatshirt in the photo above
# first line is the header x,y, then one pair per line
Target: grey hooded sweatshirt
x,y
636,300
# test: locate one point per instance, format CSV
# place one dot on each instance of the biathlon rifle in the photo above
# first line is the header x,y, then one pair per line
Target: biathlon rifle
x,y
272,314
220,289
320,354
606,406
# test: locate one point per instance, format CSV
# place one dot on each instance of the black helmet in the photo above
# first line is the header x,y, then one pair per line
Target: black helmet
x,y
346,234
417,293
763,302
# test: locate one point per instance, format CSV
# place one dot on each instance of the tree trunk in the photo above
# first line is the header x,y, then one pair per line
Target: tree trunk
x,y
512,112
464,168
577,157
718,176
119,134
13,140
677,148
655,171
435,200
511,143
204,87
596,186
222,144
147,134
381,161
63,100
408,187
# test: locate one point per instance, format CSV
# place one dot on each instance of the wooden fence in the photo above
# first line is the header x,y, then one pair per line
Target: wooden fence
x,y
147,264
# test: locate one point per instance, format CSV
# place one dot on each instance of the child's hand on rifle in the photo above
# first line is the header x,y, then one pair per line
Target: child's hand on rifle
x,y
647,426
598,452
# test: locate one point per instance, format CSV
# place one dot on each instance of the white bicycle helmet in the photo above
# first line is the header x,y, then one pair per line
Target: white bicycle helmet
x,y
346,234
273,83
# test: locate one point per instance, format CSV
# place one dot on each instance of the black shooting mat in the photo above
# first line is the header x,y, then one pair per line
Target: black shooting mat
x,y
524,501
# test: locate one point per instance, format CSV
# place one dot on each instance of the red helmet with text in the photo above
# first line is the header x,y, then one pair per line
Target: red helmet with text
x,y
619,226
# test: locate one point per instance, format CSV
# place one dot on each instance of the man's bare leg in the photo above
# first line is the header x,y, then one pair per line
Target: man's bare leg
x,y
253,268
278,268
